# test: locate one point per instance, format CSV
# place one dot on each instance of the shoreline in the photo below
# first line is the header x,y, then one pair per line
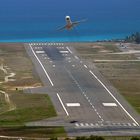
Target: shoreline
x,y
66,39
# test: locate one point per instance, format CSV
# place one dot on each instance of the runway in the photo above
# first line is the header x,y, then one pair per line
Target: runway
x,y
83,99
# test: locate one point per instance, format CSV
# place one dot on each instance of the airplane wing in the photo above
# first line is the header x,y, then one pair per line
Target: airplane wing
x,y
77,22
61,28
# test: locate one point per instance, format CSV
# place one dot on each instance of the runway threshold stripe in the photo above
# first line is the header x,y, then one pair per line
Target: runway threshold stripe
x,y
62,104
114,97
42,66
69,50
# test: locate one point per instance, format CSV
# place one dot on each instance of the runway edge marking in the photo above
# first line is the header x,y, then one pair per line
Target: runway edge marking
x,y
41,65
114,97
62,104
69,50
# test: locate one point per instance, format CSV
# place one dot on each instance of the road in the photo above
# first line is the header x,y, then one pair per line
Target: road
x,y
85,102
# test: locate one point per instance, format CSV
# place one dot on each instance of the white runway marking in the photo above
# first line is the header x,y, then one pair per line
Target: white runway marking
x,y
97,124
42,66
92,124
73,104
77,124
134,124
69,50
65,54
83,93
85,66
129,124
73,65
109,104
86,124
81,124
76,57
64,51
113,97
62,104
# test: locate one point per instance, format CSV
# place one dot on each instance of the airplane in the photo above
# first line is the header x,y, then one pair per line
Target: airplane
x,y
69,24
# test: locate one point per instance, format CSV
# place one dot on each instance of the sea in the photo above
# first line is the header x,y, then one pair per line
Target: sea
x,y
38,20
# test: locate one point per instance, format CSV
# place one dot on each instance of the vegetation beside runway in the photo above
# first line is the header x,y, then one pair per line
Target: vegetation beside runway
x,y
29,107
33,132
18,108
107,138
125,75
15,59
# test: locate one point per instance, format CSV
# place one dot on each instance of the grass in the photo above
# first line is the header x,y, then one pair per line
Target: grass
x,y
36,132
14,56
1,75
111,46
28,108
118,138
125,76
93,48
3,104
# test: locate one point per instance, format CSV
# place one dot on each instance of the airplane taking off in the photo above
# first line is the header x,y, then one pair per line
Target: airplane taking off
x,y
69,24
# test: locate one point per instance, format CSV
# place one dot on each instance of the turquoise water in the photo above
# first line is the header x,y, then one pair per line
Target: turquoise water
x,y
37,20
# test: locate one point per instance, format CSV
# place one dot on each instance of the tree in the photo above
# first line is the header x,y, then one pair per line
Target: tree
x,y
81,138
54,138
95,138
133,38
135,138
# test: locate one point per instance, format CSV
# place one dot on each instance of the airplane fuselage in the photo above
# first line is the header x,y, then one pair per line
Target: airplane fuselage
x,y
69,24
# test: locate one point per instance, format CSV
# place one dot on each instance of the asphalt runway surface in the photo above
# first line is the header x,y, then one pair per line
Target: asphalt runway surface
x,y
84,101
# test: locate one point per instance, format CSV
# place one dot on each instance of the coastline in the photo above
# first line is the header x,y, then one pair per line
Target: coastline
x,y
67,39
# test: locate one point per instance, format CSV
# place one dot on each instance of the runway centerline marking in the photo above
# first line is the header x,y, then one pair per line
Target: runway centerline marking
x,y
41,65
84,94
69,50
62,104
114,97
